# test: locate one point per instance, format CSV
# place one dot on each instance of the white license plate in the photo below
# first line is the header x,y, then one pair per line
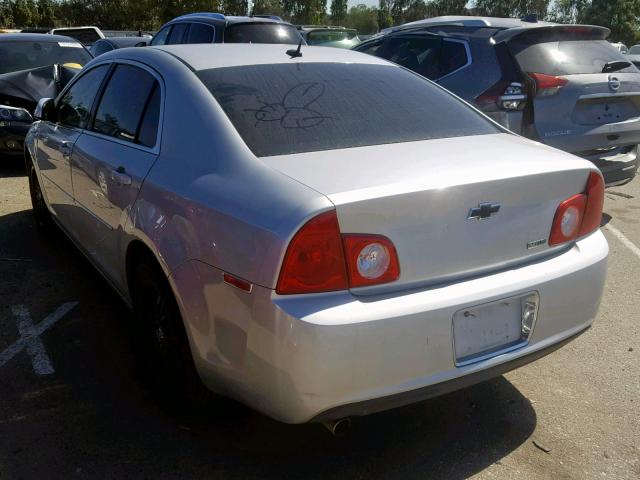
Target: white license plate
x,y
491,329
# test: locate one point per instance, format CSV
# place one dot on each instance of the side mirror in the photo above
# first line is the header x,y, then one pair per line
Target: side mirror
x,y
45,110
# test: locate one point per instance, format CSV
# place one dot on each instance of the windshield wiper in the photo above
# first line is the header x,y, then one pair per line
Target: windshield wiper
x,y
615,65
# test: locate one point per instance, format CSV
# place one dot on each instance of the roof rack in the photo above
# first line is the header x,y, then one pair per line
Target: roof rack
x,y
217,16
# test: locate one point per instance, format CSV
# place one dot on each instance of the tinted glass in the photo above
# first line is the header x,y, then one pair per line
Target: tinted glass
x,y
160,38
289,108
16,56
123,103
100,47
452,57
83,35
177,33
261,33
149,127
371,48
75,107
420,54
318,37
200,33
567,57
635,50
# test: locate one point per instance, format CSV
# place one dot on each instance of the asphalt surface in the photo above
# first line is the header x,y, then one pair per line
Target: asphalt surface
x,y
86,414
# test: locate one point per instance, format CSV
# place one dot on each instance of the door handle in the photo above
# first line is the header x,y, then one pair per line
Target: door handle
x,y
65,148
119,176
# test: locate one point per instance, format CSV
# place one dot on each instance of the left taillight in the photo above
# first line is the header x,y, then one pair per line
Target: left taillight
x,y
320,259
580,214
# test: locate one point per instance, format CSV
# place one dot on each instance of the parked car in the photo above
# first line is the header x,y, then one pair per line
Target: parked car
x,y
634,55
621,47
105,45
320,236
218,28
85,35
329,36
32,66
563,85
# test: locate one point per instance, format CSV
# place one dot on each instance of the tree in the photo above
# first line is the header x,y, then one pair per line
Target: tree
x,y
338,11
6,14
236,7
385,20
621,16
268,7
511,8
568,11
24,13
363,18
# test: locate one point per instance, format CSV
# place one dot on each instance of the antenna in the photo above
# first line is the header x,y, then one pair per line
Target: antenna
x,y
295,53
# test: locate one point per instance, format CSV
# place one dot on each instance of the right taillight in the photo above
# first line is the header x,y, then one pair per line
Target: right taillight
x,y
547,85
580,214
321,259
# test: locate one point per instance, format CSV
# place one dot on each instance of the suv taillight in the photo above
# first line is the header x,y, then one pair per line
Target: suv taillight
x,y
580,214
504,95
547,85
320,259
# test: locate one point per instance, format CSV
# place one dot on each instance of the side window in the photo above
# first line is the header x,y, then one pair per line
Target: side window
x,y
200,33
372,49
177,34
149,126
453,56
420,54
74,108
160,38
101,47
124,102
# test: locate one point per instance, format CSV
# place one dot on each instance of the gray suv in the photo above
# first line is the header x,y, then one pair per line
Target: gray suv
x,y
563,85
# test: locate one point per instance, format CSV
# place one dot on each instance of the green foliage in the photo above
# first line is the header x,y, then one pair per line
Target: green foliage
x,y
363,18
621,16
338,11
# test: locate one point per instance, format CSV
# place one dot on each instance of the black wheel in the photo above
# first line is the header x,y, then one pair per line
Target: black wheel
x,y
165,353
40,211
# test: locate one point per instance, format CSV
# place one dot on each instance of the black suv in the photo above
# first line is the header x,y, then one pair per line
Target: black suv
x,y
562,85
218,28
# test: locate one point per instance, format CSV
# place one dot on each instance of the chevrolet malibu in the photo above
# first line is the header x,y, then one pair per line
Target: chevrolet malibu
x,y
317,233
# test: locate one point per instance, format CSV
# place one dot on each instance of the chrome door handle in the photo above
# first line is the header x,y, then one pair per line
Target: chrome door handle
x,y
118,176
65,149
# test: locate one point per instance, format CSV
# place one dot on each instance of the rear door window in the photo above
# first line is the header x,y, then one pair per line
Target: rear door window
x,y
123,104
453,56
200,33
160,38
566,57
283,109
374,48
418,53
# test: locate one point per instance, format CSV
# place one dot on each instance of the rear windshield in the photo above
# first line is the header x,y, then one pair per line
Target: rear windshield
x,y
566,57
16,56
83,35
318,37
281,109
261,33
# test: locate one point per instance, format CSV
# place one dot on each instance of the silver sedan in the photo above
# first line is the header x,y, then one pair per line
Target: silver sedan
x,y
320,235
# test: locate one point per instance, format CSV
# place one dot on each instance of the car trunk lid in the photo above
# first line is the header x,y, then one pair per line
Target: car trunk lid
x,y
428,199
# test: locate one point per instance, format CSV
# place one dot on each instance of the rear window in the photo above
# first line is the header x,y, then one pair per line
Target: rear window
x,y
83,35
281,109
261,33
566,57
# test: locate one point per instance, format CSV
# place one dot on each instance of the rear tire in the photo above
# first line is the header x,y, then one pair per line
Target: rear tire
x,y
166,356
41,212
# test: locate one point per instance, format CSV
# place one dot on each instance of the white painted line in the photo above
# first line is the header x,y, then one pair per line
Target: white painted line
x,y
625,241
30,337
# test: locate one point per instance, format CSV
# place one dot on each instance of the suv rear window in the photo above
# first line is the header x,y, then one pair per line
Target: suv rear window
x,y
566,57
281,109
261,33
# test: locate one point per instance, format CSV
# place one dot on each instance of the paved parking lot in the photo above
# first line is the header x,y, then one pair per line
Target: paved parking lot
x,y
72,405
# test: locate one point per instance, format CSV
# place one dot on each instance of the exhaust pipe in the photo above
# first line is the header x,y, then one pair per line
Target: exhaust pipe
x,y
338,428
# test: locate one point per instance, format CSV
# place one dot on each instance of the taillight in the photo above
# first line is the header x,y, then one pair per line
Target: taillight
x,y
580,214
371,260
320,259
314,261
547,85
504,95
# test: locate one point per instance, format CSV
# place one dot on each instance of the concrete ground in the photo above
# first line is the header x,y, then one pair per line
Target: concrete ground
x,y
574,414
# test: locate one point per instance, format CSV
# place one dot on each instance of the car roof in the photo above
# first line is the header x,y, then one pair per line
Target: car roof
x,y
217,18
220,55
35,37
126,41
469,21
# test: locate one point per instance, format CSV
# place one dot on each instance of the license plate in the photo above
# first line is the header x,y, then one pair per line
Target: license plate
x,y
494,328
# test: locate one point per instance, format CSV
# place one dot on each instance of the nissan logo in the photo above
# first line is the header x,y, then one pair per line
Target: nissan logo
x,y
614,83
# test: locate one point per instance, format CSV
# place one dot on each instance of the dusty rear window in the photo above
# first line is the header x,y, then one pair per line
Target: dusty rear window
x,y
283,109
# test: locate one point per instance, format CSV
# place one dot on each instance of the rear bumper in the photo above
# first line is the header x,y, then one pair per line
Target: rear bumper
x,y
618,167
321,357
